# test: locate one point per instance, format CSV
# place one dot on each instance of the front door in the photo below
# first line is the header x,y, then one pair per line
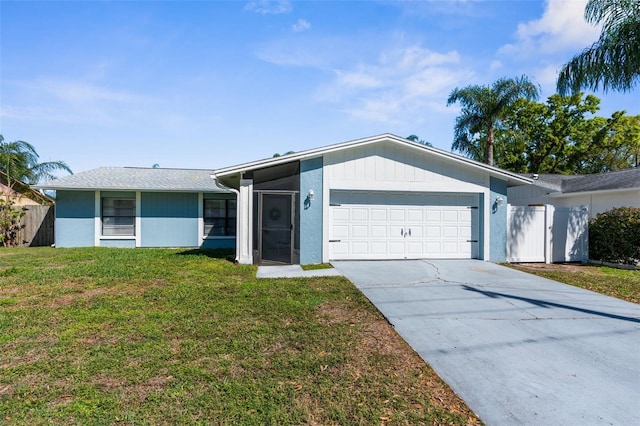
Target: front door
x,y
276,227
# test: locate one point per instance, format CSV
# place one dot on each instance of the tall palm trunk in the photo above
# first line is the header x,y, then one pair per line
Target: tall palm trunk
x,y
488,155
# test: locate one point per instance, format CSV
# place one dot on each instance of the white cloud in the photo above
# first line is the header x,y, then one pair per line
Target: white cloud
x,y
300,26
562,27
495,65
403,84
79,92
69,101
269,7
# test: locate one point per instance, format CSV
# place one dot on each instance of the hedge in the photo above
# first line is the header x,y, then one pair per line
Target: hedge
x,y
614,236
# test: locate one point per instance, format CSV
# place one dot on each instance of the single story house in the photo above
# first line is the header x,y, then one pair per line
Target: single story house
x,y
382,197
599,192
21,193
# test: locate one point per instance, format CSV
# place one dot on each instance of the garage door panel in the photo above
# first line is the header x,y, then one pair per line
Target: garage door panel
x,y
397,215
360,247
415,248
450,247
340,248
433,232
341,214
464,232
432,247
450,216
396,231
449,231
385,225
359,215
341,231
433,215
415,215
360,231
378,215
416,232
379,231
396,249
379,248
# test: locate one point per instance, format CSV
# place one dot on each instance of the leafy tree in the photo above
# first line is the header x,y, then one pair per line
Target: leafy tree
x,y
562,136
483,108
19,160
613,61
416,138
615,146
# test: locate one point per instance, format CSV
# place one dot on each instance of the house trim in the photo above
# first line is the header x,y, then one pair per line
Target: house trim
x,y
596,192
513,178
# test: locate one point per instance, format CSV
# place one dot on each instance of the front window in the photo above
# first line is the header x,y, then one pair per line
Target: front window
x,y
219,218
118,217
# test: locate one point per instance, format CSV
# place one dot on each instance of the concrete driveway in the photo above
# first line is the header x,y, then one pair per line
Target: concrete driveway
x,y
517,348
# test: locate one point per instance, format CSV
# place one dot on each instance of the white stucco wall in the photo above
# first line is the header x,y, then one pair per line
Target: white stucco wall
x,y
597,201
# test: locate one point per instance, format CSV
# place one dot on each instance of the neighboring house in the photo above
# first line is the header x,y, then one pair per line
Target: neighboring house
x,y
21,193
600,192
382,197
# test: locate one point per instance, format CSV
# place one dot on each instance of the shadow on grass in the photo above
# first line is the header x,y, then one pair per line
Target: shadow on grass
x,y
226,254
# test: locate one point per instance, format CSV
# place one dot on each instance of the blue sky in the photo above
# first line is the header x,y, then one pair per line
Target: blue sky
x,y
208,84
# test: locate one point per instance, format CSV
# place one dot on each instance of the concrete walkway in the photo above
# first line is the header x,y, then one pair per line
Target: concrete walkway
x,y
520,350
294,271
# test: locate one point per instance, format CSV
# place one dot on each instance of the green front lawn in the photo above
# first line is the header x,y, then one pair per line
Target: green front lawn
x,y
150,336
621,283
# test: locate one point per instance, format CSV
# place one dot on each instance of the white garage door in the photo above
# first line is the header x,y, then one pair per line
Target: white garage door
x,y
390,225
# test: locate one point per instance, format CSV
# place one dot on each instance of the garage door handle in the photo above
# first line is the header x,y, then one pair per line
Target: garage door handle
x,y
472,241
334,241
409,231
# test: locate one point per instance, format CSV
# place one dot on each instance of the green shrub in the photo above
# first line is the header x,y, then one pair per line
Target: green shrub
x,y
614,236
10,222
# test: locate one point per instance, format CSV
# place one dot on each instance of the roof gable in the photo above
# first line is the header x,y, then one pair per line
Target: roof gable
x,y
511,178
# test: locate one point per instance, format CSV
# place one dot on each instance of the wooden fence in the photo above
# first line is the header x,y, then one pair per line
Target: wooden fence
x,y
38,230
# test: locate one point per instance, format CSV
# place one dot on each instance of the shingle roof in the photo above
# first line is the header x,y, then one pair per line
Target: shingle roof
x,y
138,179
567,184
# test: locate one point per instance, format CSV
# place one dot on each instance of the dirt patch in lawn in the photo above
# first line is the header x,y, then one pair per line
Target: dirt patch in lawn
x,y
376,339
562,267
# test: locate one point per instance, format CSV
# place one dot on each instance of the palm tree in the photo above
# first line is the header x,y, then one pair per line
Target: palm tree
x,y
482,109
416,138
19,161
613,61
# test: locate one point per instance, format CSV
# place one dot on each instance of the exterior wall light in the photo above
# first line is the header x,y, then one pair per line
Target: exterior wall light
x,y
311,195
499,200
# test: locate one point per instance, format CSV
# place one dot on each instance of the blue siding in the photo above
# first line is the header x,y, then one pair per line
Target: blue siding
x,y
128,243
311,211
169,219
498,221
75,222
211,243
